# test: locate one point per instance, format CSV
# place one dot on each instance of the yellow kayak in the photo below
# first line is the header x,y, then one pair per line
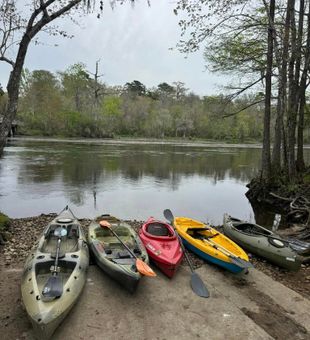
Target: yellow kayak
x,y
211,245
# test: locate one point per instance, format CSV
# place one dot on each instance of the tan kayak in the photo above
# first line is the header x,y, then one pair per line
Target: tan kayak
x,y
55,273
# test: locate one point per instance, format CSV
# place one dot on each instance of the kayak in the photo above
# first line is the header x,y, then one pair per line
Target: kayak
x,y
111,256
162,245
262,242
55,273
211,245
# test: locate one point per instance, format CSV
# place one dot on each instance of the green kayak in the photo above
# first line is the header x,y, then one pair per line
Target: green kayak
x,y
55,273
262,242
111,256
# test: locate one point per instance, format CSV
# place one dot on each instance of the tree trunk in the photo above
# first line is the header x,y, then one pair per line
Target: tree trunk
x,y
266,163
292,102
13,92
300,164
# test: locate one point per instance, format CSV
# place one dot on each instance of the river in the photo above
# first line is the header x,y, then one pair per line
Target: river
x,y
128,179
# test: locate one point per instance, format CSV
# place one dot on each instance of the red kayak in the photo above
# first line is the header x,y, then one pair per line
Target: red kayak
x,y
162,245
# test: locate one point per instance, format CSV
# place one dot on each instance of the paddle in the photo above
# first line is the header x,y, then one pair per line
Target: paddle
x,y
234,259
297,245
197,284
53,287
142,267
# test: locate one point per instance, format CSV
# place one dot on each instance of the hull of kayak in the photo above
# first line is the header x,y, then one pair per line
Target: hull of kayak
x,y
162,245
212,259
262,245
111,256
45,316
195,236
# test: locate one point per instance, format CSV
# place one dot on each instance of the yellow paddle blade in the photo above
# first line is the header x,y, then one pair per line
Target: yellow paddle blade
x,y
144,269
105,224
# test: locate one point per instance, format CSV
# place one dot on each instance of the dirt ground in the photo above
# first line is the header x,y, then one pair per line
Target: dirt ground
x,y
23,234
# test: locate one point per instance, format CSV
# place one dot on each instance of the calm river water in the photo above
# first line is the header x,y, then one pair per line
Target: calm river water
x,y
132,180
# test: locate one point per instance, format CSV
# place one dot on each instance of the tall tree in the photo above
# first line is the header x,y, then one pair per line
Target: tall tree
x,y
135,88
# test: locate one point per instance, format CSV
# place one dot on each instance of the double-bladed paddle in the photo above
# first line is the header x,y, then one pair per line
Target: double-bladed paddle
x,y
238,261
53,288
142,267
234,259
197,284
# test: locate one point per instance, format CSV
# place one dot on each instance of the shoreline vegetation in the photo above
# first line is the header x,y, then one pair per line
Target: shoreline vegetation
x,y
15,250
142,140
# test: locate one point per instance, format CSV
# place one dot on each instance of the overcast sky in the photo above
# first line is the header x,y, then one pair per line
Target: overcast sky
x,y
132,43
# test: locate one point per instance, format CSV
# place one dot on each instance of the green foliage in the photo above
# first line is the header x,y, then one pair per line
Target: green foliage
x,y
112,106
4,222
67,106
135,88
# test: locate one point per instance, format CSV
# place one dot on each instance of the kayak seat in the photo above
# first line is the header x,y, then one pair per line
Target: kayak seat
x,y
123,254
73,231
157,229
60,256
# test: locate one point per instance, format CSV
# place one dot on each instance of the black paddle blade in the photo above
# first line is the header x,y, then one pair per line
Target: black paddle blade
x,y
52,289
241,263
168,215
198,286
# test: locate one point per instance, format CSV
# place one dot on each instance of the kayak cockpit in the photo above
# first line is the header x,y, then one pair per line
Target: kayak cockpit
x,y
69,242
159,229
43,272
251,229
113,248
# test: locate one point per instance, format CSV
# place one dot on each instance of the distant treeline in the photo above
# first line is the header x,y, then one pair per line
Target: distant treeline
x,y
75,103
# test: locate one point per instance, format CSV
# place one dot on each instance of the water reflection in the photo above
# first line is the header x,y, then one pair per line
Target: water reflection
x,y
131,181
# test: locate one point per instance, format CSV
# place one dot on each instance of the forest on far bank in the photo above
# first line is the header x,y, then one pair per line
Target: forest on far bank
x,y
76,103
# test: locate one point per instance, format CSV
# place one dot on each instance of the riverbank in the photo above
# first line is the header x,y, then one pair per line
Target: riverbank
x,y
24,232
253,306
146,141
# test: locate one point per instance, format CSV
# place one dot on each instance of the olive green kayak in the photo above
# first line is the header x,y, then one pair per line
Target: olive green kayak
x,y
262,242
55,273
111,256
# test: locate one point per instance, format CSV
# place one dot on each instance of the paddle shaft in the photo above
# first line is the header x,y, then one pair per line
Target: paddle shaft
x,y
57,256
270,236
185,252
114,233
222,249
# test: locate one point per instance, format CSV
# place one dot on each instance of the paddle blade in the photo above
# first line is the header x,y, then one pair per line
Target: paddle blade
x,y
198,286
105,224
52,289
168,215
144,269
241,263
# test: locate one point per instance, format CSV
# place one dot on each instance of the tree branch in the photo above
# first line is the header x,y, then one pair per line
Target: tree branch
x,y
244,108
45,20
7,60
236,94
